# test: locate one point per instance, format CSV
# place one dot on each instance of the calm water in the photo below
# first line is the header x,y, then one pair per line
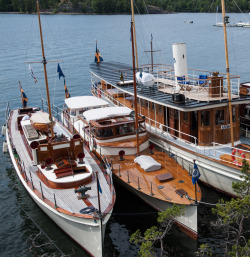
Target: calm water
x,y
71,38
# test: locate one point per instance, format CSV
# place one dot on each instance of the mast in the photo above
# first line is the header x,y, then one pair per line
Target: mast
x,y
135,92
225,21
45,70
152,52
133,20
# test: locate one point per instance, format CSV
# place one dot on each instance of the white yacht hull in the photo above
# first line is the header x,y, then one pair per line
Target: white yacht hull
x,y
86,232
188,222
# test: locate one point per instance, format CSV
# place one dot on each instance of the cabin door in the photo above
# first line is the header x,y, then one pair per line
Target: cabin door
x,y
174,122
194,125
185,126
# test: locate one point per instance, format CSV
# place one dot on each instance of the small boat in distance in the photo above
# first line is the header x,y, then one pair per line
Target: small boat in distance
x,y
152,175
188,21
60,173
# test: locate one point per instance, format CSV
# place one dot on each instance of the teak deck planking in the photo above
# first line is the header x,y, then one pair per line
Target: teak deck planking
x,y
132,171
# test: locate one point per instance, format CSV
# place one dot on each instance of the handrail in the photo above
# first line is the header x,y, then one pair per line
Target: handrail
x,y
159,127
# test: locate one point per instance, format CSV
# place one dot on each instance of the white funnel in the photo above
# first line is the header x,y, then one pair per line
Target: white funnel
x,y
180,61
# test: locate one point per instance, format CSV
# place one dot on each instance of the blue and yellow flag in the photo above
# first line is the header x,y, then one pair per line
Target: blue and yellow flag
x,y
67,94
23,96
121,77
98,57
59,70
196,174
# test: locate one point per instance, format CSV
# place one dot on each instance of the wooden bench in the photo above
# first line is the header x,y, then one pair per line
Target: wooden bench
x,y
65,172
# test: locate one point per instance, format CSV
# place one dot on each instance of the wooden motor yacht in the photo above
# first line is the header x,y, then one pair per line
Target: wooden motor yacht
x,y
149,173
194,114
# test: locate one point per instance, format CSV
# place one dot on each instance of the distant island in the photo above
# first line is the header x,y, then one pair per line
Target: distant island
x,y
119,6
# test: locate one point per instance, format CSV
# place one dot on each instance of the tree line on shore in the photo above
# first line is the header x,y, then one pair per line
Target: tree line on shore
x,y
121,6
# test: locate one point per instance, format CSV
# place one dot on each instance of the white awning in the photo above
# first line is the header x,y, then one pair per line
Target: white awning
x,y
81,102
147,163
40,117
107,112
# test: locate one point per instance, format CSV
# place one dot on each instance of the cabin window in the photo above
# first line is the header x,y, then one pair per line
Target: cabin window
x,y
147,104
205,118
108,132
185,116
99,132
160,108
143,102
219,117
234,114
81,112
73,113
153,106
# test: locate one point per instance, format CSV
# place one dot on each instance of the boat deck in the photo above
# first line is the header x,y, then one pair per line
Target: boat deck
x,y
65,198
149,182
111,71
215,152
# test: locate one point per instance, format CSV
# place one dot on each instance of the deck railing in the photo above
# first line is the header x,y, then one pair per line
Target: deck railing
x,y
163,131
31,178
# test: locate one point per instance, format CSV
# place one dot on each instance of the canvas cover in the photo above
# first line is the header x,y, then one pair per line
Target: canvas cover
x,y
147,163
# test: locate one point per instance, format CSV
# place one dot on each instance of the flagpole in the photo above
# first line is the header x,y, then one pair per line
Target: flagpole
x,y
21,93
100,213
195,188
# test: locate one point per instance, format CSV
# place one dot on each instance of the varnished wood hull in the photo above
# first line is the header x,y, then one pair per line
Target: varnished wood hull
x,y
188,222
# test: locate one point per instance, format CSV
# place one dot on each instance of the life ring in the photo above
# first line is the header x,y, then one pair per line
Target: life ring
x,y
87,210
242,156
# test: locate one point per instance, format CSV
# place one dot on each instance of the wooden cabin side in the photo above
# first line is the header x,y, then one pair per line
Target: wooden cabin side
x,y
201,127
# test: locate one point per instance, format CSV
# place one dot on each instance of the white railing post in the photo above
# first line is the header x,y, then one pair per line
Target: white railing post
x,y
214,148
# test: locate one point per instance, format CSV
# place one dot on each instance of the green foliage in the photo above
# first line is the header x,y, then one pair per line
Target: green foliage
x,y
154,234
123,6
243,188
204,250
232,214
242,251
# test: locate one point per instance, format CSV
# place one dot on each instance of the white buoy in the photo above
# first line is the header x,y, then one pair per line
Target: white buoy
x,y
4,130
5,147
180,61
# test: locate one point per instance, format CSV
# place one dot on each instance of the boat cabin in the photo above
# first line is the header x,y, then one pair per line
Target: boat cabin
x,y
193,109
75,106
60,158
113,122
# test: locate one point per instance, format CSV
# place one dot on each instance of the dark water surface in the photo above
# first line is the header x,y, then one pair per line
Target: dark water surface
x,y
71,38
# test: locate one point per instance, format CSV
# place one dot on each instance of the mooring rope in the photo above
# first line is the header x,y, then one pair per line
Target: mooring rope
x,y
42,230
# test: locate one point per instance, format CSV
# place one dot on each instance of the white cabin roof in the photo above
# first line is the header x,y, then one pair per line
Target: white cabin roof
x,y
105,113
80,102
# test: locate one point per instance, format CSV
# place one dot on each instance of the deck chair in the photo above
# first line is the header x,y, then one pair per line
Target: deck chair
x,y
202,82
182,80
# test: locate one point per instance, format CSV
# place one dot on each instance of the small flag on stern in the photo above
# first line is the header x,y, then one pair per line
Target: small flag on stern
x,y
98,57
121,77
59,70
67,94
23,96
99,187
32,74
196,174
